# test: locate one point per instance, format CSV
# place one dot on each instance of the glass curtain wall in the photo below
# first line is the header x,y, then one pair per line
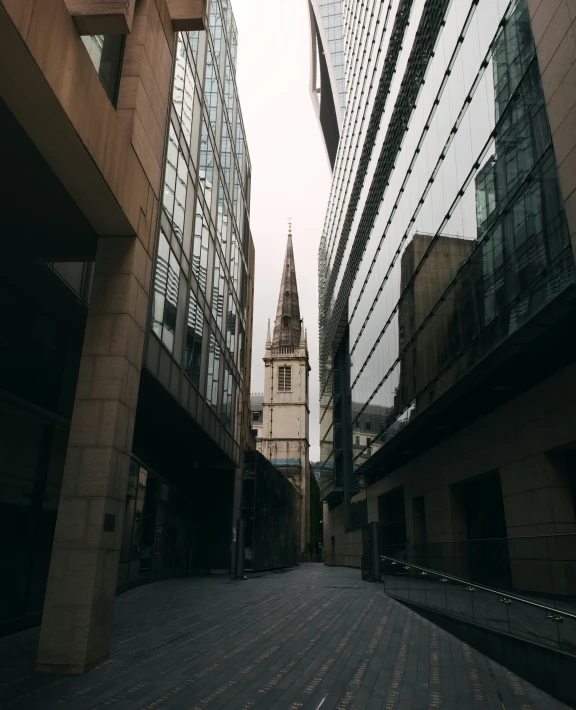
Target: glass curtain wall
x,y
332,21
157,535
32,452
199,301
463,232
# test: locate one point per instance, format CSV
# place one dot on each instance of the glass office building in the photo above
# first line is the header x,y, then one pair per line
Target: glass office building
x,y
196,381
446,260
198,323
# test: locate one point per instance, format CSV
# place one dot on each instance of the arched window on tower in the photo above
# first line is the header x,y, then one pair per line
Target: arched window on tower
x,y
285,321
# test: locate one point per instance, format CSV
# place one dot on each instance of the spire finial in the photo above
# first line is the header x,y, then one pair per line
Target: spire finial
x,y
289,226
268,338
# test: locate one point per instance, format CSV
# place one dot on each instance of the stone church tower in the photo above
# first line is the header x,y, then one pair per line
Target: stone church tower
x,y
285,409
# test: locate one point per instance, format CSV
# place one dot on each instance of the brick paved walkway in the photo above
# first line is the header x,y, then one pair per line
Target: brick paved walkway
x,y
306,638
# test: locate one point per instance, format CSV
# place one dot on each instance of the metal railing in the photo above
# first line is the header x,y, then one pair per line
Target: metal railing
x,y
551,624
537,565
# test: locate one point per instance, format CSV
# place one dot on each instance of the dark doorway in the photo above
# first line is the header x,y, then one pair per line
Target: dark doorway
x,y
571,469
420,537
483,506
392,518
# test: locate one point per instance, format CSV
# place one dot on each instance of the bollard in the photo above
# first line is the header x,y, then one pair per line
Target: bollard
x,y
375,551
239,556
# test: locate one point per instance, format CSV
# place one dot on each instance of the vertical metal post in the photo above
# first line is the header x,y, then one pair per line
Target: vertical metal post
x,y
239,558
375,551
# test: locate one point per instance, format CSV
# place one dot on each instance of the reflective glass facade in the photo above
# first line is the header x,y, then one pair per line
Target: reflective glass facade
x,y
445,233
32,450
157,533
328,76
199,308
332,24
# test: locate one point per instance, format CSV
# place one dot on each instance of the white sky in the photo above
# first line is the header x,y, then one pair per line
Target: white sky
x,y
290,170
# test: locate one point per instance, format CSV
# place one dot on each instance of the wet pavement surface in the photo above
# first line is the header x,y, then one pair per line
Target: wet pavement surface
x,y
312,637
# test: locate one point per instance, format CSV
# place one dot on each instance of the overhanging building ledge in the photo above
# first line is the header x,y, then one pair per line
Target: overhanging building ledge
x,y
188,15
68,116
93,17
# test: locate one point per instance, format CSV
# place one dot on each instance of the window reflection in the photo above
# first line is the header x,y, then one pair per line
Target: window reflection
x,y
194,340
166,284
106,52
216,28
231,327
200,249
234,262
461,295
170,173
214,353
157,534
222,218
211,93
226,154
229,89
228,399
218,285
206,172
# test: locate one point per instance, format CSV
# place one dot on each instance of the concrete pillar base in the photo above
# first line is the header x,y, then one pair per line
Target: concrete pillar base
x,y
69,669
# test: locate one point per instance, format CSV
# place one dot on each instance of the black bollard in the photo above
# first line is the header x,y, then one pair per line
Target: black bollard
x,y
239,556
375,551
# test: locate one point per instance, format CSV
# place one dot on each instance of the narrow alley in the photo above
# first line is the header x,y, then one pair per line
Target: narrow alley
x,y
309,637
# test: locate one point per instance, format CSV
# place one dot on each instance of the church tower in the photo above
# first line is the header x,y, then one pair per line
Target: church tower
x,y
285,409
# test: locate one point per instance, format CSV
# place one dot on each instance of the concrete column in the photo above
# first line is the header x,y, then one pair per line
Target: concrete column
x,y
78,609
554,29
538,506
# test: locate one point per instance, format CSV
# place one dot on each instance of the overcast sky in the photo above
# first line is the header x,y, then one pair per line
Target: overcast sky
x,y
290,171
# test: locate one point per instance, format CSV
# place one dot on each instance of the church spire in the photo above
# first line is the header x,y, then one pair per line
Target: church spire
x,y
287,327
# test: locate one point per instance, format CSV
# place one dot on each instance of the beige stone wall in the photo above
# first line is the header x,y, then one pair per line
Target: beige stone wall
x,y
341,548
144,92
537,489
520,439
554,28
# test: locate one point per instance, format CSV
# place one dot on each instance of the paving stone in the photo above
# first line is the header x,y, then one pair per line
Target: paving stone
x,y
308,638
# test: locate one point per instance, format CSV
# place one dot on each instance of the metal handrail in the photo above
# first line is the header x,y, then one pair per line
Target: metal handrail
x,y
470,586
492,539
